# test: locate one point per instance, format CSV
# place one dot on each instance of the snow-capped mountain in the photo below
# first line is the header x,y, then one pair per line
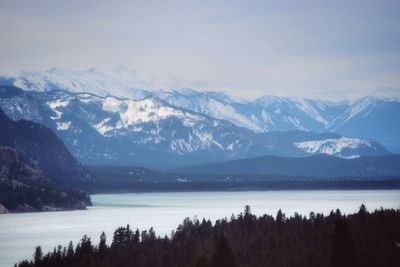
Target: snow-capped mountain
x,y
216,105
376,117
265,114
373,117
120,81
125,131
113,130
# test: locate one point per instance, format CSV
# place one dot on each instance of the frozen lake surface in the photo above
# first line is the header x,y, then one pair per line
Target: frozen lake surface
x,y
20,233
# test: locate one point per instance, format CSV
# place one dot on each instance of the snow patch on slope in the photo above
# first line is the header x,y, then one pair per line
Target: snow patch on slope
x,y
63,126
311,111
55,105
333,147
227,112
147,110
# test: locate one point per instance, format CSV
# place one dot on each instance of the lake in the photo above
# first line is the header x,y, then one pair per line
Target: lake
x,y
20,233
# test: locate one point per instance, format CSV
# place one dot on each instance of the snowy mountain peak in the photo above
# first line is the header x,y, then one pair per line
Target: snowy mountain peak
x,y
388,95
269,99
265,114
122,130
119,81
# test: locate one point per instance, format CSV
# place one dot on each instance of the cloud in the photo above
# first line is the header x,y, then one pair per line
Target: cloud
x,y
299,48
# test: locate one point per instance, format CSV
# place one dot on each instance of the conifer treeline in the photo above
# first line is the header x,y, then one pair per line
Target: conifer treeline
x,y
360,239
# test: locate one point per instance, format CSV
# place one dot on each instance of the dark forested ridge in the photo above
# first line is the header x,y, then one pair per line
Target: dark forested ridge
x,y
41,145
322,166
112,179
25,187
37,172
245,240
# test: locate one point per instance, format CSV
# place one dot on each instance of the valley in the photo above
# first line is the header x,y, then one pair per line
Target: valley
x,y
199,133
136,137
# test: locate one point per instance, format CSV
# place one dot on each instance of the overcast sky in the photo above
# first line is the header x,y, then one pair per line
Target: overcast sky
x,y
319,49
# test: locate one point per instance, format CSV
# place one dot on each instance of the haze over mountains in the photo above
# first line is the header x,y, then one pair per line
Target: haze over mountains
x,y
126,118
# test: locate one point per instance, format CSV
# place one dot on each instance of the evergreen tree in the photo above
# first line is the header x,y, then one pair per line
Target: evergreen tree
x,y
280,217
363,210
38,255
102,245
84,251
247,210
136,237
294,241
70,251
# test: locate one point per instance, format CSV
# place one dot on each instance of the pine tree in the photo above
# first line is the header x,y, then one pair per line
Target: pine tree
x,y
247,210
280,217
102,245
70,251
38,255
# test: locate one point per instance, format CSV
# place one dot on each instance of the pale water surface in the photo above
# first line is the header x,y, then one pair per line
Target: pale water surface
x,y
20,233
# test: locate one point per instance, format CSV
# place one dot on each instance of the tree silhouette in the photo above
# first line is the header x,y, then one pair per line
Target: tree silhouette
x,y
38,255
317,241
102,245
280,217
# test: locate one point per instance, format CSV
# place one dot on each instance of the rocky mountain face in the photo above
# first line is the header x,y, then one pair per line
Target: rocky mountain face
x,y
150,131
376,118
372,117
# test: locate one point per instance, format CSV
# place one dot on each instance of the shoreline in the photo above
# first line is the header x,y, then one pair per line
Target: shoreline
x,y
225,186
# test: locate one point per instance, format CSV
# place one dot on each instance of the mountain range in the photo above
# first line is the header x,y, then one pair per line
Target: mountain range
x,y
368,117
124,117
120,131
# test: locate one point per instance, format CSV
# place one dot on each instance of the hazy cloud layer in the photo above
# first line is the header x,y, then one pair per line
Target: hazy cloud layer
x,y
322,49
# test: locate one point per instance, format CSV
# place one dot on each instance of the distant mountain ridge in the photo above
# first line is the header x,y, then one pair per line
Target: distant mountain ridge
x,y
111,130
329,143
120,81
376,118
370,117
318,166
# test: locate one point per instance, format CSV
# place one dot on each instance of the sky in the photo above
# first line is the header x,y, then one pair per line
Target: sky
x,y
316,49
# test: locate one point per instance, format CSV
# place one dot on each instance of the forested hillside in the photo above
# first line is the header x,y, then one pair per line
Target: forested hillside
x,y
24,187
361,239
37,172
42,146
